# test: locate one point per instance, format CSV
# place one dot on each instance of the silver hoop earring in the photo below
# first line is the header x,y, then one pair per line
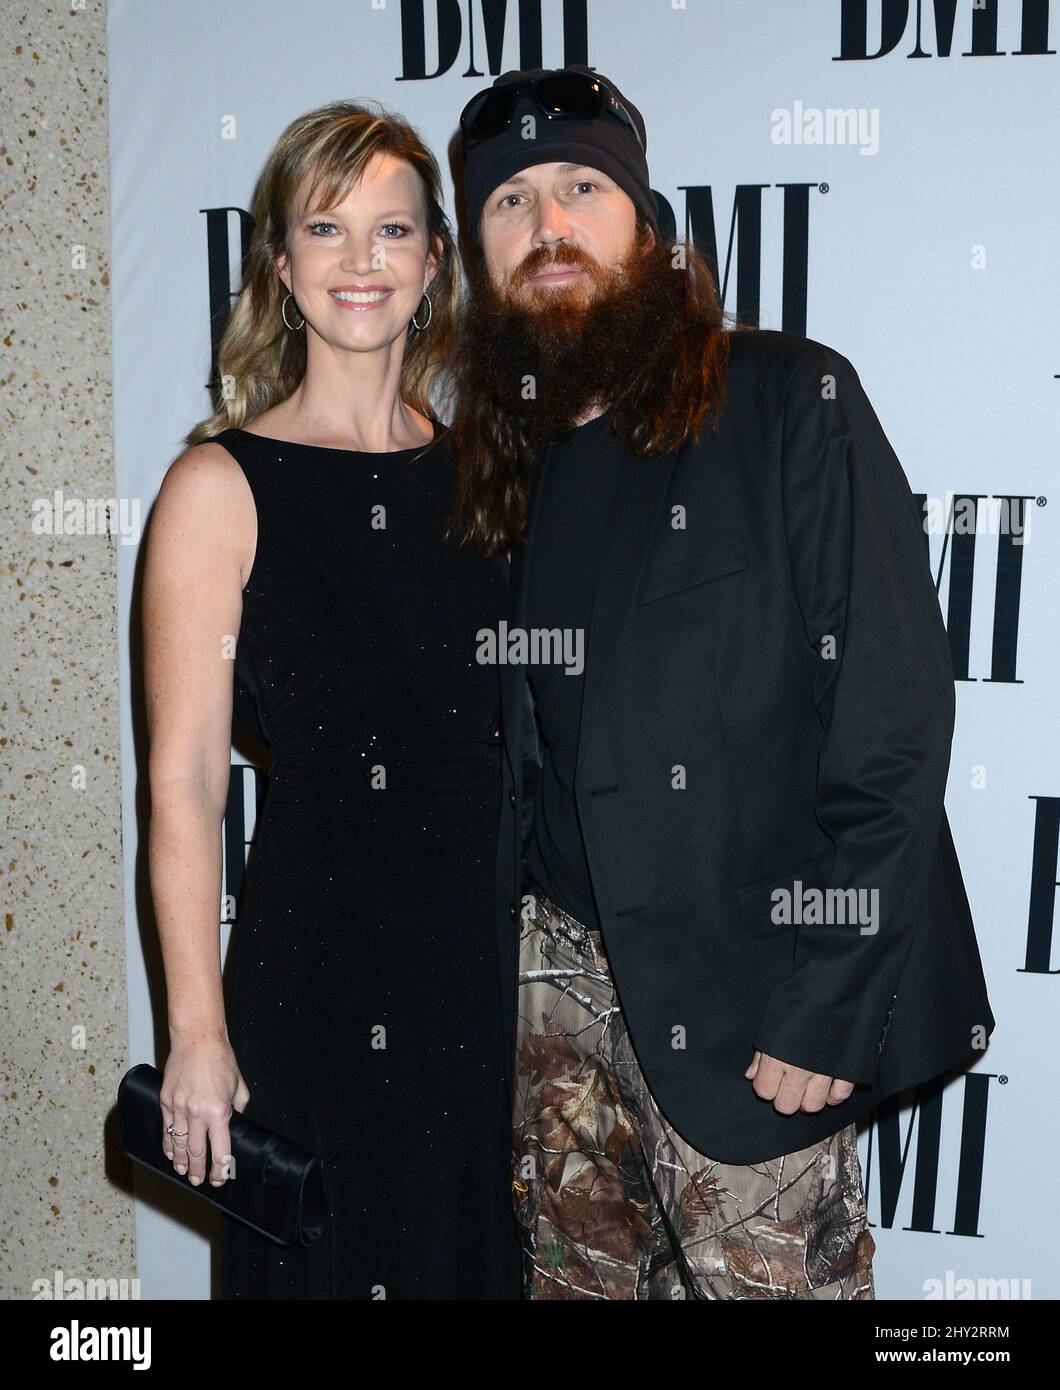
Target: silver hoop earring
x,y
294,327
430,313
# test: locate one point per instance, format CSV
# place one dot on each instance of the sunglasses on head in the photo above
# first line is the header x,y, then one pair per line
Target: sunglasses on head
x,y
558,96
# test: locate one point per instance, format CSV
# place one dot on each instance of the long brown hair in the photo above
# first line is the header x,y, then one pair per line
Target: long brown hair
x,y
260,362
680,381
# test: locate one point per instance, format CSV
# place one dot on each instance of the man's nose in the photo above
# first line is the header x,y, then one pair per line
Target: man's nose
x,y
552,223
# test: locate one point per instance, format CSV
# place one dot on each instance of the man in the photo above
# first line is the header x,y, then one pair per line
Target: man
x,y
743,922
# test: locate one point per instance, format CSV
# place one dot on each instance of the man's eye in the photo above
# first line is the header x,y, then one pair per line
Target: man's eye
x,y
507,196
584,183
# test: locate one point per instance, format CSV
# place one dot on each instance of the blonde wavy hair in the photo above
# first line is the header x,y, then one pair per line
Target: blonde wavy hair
x,y
259,361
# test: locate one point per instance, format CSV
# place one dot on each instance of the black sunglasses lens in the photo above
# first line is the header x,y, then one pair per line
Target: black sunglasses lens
x,y
570,94
578,94
488,115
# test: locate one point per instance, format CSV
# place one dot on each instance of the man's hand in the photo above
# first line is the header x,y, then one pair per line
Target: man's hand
x,y
791,1088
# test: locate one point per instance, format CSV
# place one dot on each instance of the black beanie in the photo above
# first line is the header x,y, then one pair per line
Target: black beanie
x,y
602,142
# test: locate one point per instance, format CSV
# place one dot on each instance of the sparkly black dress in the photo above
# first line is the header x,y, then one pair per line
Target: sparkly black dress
x,y
363,987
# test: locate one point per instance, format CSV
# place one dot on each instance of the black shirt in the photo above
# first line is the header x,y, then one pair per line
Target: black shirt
x,y
570,509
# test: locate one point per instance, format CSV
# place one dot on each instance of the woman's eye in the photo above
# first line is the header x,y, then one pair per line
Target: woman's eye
x,y
314,225
400,227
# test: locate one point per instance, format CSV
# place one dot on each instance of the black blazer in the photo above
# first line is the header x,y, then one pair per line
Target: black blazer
x,y
783,655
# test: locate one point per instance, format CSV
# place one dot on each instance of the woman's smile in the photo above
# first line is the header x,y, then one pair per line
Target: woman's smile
x,y
361,297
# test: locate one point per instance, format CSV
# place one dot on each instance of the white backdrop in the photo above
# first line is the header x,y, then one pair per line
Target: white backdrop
x,y
929,261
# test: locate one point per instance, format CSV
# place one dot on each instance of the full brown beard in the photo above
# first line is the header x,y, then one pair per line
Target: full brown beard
x,y
546,363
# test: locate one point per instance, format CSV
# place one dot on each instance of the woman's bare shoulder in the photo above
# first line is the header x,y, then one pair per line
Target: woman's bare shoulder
x,y
205,507
204,475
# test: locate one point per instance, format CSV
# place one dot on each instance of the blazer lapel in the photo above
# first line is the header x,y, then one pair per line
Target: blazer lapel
x,y
513,677
634,515
632,520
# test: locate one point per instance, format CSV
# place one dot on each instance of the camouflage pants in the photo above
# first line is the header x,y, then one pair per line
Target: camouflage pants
x,y
613,1203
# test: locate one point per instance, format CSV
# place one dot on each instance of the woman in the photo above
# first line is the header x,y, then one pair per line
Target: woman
x,y
362,1015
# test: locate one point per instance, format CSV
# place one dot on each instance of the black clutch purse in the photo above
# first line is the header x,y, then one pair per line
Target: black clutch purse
x,y
278,1189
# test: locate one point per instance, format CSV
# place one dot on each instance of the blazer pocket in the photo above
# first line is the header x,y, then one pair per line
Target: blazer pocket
x,y
696,569
757,905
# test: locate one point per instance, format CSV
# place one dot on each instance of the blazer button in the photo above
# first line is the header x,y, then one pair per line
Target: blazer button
x,y
511,796
511,909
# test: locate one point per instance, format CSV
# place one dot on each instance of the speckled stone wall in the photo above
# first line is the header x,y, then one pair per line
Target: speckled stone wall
x,y
67,1213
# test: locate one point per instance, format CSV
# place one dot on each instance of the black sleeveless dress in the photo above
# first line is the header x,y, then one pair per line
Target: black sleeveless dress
x,y
362,993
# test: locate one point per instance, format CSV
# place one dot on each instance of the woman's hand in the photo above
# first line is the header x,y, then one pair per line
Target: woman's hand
x,y
201,1086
